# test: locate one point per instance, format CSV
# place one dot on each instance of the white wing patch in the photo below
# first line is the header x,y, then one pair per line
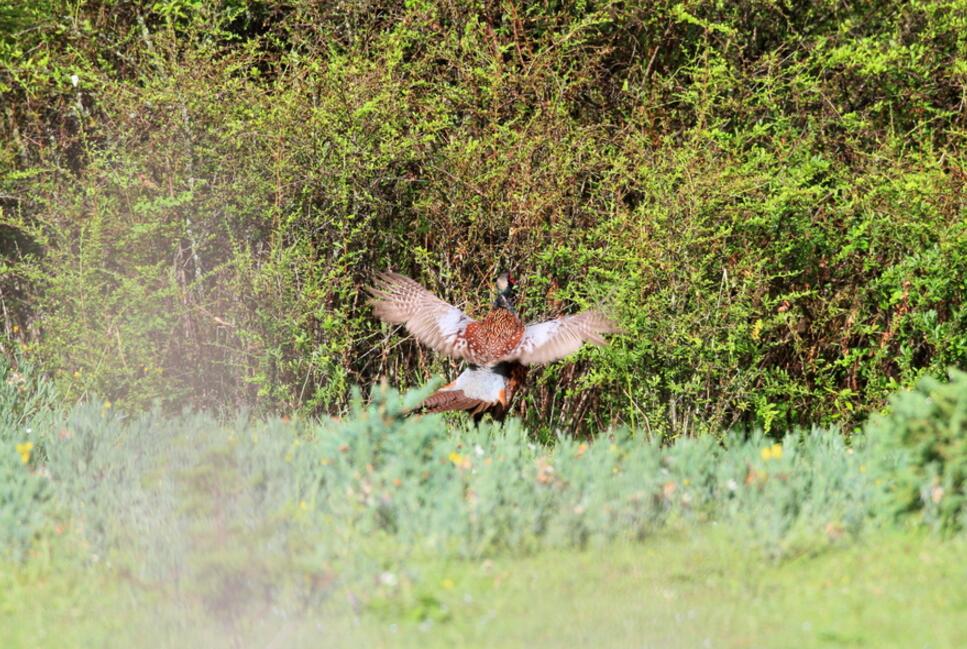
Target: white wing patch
x,y
549,341
539,334
452,323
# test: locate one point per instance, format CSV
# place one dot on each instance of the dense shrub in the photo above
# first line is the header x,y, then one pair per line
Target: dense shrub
x,y
921,442
769,197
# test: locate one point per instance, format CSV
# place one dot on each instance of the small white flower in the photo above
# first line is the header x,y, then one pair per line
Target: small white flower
x,y
731,485
478,450
75,80
387,579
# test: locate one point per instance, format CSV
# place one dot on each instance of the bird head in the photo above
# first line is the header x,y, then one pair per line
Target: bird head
x,y
505,291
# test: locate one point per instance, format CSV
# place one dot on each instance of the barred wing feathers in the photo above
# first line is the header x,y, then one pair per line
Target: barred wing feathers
x,y
397,299
549,341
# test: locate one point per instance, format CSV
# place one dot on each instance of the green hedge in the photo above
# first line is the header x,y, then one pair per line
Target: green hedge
x,y
768,197
921,446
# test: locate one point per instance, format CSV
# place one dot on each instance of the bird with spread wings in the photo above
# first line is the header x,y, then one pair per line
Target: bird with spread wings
x,y
499,348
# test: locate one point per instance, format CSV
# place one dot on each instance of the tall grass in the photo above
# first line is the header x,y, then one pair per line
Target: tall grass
x,y
168,496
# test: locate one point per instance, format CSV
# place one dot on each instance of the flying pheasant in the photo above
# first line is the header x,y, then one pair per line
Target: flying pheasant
x,y
499,348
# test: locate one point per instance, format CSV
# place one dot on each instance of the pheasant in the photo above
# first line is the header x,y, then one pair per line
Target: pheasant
x,y
499,348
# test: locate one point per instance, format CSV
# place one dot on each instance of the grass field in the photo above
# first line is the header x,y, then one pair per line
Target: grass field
x,y
687,588
698,589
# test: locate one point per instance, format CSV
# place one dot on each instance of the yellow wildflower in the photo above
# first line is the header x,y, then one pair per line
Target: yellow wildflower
x,y
303,505
773,452
107,405
447,584
459,461
24,450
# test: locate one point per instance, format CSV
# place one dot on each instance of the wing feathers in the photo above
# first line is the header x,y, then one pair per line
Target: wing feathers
x,y
397,299
549,341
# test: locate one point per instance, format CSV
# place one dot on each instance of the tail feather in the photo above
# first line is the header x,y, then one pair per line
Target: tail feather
x,y
446,400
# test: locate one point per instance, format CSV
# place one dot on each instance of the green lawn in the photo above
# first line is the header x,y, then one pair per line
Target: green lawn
x,y
684,589
690,590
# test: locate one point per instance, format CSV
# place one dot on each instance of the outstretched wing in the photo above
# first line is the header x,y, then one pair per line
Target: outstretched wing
x,y
549,341
397,299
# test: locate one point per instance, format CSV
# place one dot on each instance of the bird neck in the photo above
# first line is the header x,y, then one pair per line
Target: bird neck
x,y
505,301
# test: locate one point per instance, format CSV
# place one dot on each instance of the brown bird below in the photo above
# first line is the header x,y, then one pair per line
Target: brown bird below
x,y
499,348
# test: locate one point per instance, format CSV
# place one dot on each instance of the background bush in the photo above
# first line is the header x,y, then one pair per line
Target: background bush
x,y
770,197
921,444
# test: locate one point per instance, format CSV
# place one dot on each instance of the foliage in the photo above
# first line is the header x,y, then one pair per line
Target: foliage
x,y
196,495
921,443
27,397
769,198
28,403
23,502
250,513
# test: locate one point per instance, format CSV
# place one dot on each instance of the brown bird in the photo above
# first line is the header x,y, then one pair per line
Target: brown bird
x,y
499,348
